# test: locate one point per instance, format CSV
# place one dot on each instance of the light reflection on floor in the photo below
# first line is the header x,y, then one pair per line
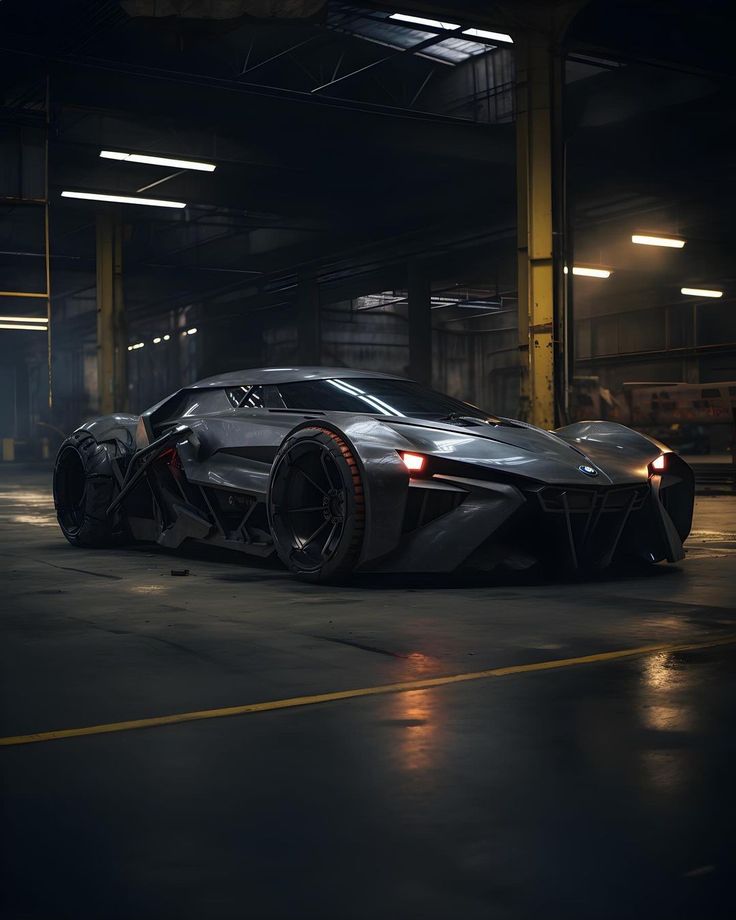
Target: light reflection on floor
x,y
417,717
419,664
27,506
147,589
666,709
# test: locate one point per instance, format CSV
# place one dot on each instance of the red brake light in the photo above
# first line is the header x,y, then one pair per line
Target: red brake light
x,y
413,462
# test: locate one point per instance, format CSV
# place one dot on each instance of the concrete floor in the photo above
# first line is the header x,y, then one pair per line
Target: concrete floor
x,y
596,790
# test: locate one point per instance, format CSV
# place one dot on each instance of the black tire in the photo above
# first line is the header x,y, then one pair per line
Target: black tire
x,y
84,487
316,505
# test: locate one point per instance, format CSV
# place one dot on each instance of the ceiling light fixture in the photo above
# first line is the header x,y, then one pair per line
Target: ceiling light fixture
x,y
493,36
701,292
192,331
23,319
589,272
418,20
157,161
125,199
645,239
34,327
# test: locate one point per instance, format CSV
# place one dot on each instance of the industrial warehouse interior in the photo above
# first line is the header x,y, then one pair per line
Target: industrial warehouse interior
x,y
368,473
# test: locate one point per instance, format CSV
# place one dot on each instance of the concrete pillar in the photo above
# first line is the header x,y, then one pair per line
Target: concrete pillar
x,y
309,333
420,322
112,338
538,338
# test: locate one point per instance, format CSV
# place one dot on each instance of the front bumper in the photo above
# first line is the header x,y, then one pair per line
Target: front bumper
x,y
455,522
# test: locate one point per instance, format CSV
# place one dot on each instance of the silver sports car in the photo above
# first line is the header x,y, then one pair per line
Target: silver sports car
x,y
339,470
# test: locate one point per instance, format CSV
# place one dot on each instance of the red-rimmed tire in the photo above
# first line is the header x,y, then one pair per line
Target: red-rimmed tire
x,y
316,505
84,487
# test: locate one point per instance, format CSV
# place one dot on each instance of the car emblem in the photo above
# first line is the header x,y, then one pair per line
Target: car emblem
x,y
588,470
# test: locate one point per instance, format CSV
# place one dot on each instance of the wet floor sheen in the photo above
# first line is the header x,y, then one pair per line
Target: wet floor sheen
x,y
600,790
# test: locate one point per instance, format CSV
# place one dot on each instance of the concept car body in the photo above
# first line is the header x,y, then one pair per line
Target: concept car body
x,y
339,470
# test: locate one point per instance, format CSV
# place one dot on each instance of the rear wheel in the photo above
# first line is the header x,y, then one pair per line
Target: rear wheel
x,y
316,505
84,487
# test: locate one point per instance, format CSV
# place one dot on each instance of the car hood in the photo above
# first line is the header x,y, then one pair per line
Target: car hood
x,y
520,449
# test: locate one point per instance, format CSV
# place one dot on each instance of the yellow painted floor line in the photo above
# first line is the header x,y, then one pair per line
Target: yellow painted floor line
x,y
380,689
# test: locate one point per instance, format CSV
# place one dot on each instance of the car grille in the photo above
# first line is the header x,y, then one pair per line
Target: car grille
x,y
589,522
592,501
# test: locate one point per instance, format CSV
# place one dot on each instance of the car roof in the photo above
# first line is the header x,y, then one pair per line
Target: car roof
x,y
260,375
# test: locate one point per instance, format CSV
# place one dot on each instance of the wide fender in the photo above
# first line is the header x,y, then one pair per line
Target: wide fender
x,y
375,447
614,446
120,427
620,451
610,436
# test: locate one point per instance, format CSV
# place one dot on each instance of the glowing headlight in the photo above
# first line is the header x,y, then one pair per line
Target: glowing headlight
x,y
658,465
413,462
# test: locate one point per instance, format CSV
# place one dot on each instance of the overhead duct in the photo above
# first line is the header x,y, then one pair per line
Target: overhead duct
x,y
223,9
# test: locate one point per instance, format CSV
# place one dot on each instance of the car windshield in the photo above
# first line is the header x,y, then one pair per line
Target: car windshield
x,y
379,396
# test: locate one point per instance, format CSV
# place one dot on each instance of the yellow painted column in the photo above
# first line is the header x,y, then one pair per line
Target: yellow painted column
x,y
537,337
111,328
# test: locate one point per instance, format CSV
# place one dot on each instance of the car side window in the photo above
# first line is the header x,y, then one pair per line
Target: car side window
x,y
202,402
188,403
255,397
246,397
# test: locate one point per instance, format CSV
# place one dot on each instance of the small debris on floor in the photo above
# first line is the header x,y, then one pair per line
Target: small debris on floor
x,y
180,571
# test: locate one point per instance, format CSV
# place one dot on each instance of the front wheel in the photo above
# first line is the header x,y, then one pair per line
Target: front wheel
x,y
84,487
316,505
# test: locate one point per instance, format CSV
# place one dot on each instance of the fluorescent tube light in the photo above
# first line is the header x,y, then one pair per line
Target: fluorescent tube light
x,y
418,20
157,340
192,331
167,337
644,239
125,199
701,292
23,319
157,161
31,326
493,36
589,272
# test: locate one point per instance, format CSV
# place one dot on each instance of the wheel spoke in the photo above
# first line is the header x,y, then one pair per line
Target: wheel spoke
x,y
327,542
317,532
323,461
309,479
299,510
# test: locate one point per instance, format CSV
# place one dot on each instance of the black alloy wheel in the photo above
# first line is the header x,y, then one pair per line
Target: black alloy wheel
x,y
316,505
